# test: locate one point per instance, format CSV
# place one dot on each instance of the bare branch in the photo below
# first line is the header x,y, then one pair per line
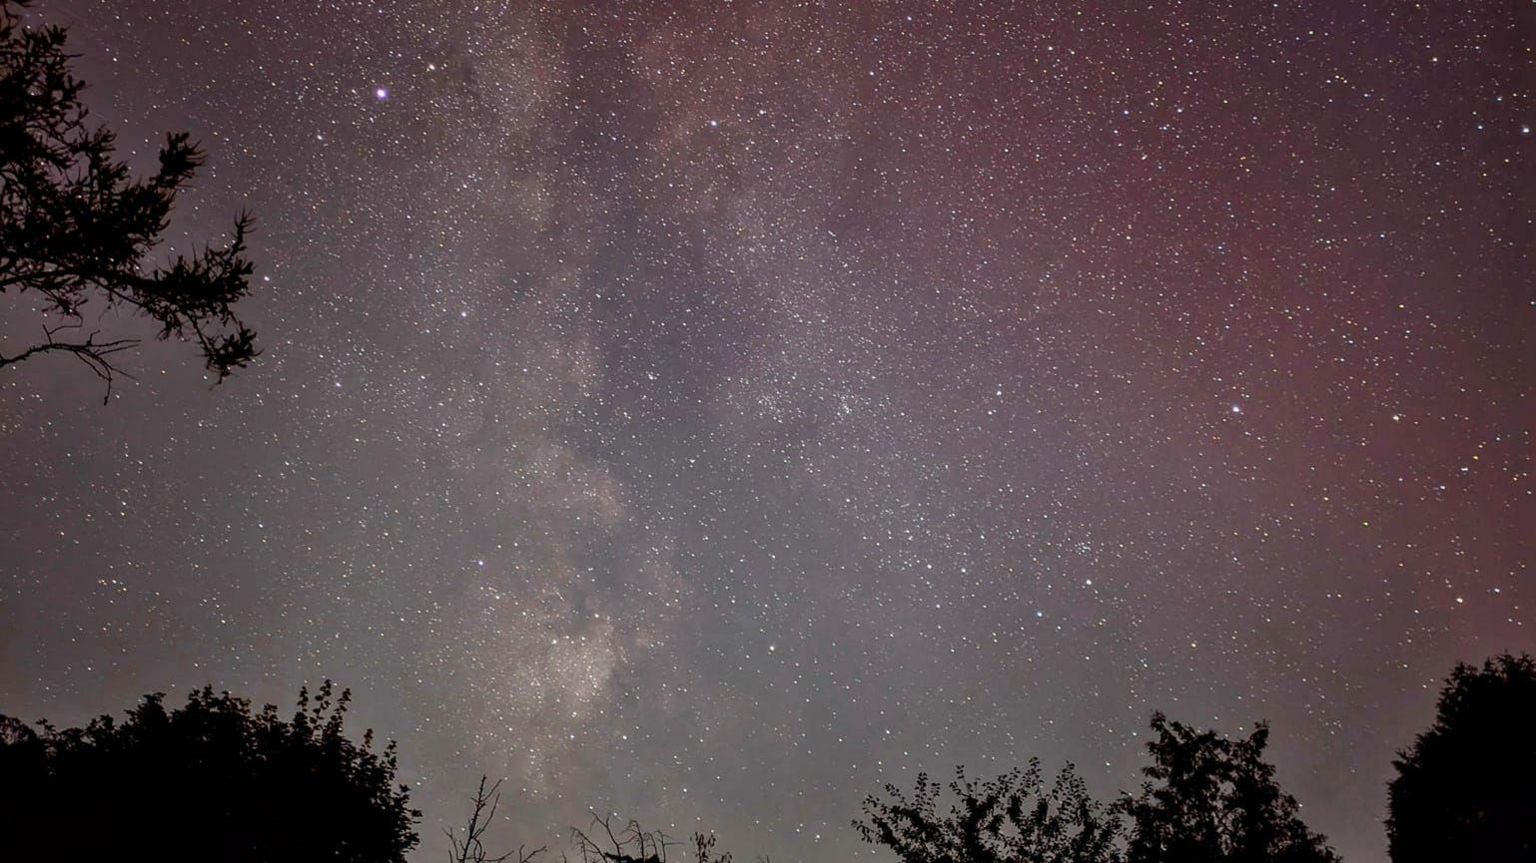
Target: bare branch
x,y
92,353
633,844
472,848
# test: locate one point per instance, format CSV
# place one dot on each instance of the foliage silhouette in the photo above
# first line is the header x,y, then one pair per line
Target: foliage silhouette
x,y
1214,800
1466,789
76,227
1013,818
209,781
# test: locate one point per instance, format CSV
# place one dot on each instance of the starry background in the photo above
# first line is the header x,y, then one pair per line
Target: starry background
x,y
709,412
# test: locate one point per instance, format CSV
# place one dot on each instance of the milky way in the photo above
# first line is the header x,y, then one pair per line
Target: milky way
x,y
711,412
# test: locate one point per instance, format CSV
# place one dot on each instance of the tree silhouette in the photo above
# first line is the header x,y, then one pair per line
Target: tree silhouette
x,y
1466,789
1215,800
471,849
601,842
628,844
209,781
1013,818
75,226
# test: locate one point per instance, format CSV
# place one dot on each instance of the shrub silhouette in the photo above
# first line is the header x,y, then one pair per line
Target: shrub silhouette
x,y
1466,789
1013,818
212,780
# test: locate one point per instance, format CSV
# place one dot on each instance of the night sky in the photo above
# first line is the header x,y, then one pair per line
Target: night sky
x,y
710,412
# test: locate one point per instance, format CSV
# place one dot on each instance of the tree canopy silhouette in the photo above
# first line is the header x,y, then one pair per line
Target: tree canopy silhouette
x,y
1013,818
75,227
209,781
1466,789
1210,799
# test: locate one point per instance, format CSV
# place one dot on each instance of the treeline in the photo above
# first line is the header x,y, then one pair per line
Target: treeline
x,y
216,780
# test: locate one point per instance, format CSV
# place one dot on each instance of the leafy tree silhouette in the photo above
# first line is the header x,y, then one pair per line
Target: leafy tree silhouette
x,y
76,227
1013,818
209,781
1466,789
1214,800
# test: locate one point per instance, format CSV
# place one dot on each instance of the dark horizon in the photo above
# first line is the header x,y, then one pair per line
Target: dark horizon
x,y
709,414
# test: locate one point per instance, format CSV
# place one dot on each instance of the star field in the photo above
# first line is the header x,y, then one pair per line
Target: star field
x,y
708,412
